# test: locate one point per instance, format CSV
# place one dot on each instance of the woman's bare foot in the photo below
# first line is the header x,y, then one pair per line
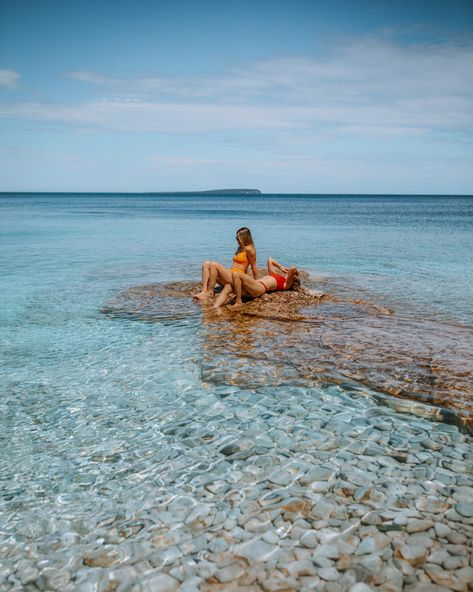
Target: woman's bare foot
x,y
237,304
203,295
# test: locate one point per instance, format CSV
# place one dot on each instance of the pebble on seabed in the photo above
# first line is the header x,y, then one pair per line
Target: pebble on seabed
x,y
308,507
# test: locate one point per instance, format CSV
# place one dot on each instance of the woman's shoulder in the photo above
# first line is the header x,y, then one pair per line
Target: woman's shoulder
x,y
250,249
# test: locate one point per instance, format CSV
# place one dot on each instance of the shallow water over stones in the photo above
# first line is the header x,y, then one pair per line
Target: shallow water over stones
x,y
277,488
267,468
154,302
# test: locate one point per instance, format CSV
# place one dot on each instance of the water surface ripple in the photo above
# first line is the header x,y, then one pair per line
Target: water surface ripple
x,y
133,445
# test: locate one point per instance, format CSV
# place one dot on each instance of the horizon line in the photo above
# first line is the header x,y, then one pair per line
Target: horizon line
x,y
211,193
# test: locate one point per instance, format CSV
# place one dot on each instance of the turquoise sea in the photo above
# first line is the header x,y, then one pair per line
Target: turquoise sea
x,y
99,414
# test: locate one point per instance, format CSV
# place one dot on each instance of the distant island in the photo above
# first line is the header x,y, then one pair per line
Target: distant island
x,y
210,191
232,191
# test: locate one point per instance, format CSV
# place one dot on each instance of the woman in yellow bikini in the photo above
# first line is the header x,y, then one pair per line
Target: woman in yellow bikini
x,y
278,278
216,273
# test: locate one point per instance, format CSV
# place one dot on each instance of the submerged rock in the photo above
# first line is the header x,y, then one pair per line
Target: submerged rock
x,y
306,336
154,302
299,337
465,509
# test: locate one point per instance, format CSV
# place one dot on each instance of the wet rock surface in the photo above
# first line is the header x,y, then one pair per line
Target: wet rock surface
x,y
313,335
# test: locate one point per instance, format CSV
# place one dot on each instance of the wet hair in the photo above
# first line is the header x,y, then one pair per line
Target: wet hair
x,y
244,234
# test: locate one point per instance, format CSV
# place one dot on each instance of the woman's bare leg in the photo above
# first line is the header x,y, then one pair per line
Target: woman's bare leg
x,y
247,285
204,293
219,274
237,288
221,298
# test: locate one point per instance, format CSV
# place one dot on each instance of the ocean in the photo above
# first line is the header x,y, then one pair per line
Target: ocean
x,y
107,419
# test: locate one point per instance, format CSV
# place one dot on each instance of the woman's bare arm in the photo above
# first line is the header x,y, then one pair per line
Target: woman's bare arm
x,y
272,264
291,275
251,254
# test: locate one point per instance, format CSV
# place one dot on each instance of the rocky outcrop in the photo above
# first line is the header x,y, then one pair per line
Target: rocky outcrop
x,y
423,366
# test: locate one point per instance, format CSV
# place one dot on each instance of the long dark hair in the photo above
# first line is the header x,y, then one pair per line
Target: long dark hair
x,y
296,281
244,235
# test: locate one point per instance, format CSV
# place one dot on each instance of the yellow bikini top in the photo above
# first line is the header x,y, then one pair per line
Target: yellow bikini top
x,y
241,258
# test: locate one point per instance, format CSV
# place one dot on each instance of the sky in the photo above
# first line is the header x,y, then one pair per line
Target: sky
x,y
295,96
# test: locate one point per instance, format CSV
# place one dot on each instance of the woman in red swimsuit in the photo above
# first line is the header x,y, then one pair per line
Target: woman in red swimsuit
x,y
278,278
216,273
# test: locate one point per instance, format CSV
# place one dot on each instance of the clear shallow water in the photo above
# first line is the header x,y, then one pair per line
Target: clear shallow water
x,y
418,248
93,409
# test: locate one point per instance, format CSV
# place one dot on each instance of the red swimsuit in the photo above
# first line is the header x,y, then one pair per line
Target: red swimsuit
x,y
280,282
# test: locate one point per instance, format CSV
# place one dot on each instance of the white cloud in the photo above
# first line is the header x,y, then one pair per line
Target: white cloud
x,y
9,79
368,87
362,70
132,116
91,77
184,162
407,117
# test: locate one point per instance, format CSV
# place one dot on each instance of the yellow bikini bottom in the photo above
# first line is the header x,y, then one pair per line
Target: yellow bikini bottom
x,y
237,269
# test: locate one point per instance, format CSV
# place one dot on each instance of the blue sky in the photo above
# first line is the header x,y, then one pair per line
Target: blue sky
x,y
313,97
